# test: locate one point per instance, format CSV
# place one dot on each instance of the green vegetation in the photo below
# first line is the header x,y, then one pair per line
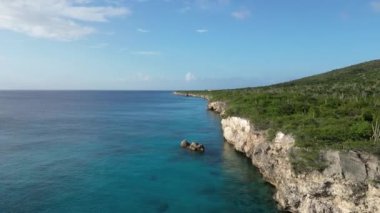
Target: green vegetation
x,y
335,110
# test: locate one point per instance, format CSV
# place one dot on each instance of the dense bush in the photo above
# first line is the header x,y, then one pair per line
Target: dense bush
x,y
334,110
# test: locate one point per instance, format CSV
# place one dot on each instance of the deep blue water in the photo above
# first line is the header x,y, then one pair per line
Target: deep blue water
x,y
119,152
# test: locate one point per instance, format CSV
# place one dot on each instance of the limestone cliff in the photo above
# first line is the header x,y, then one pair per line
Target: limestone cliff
x,y
217,106
349,183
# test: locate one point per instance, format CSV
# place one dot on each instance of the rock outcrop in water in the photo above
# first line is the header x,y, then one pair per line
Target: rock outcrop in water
x,y
185,144
349,183
193,146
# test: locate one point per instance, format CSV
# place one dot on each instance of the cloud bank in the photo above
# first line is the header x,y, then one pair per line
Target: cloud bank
x,y
55,19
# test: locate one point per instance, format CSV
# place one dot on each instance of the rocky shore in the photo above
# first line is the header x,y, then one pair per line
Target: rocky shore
x,y
349,183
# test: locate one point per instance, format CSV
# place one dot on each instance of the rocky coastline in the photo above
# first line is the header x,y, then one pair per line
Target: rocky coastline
x,y
186,94
350,182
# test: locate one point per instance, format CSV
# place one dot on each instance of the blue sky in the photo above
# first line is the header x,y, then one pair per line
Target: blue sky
x,y
180,44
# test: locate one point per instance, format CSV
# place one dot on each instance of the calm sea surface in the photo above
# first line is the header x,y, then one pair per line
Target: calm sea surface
x,y
119,152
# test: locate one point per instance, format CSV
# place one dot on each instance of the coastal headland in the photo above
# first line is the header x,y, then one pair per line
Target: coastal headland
x,y
310,175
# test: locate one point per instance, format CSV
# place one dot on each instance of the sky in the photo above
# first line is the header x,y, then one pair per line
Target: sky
x,y
180,44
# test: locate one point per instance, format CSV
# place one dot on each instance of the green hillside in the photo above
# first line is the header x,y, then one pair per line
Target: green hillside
x,y
334,110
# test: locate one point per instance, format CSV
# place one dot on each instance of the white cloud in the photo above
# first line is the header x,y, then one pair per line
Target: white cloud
x,y
375,5
147,53
201,30
54,19
140,30
190,77
241,14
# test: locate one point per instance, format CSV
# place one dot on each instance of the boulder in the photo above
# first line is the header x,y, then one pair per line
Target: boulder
x,y
193,146
185,143
196,147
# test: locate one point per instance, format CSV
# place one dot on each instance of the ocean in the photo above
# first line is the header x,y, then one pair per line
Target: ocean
x,y
118,151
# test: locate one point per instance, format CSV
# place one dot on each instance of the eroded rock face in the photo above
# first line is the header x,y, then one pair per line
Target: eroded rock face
x,y
350,183
217,106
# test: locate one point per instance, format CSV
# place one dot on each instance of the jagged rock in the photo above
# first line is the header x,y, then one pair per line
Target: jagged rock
x,y
353,168
193,146
334,169
185,143
350,183
196,147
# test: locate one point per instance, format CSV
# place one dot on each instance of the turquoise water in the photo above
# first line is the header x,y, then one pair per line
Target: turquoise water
x,y
119,152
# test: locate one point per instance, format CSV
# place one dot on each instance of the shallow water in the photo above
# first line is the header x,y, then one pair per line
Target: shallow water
x,y
119,152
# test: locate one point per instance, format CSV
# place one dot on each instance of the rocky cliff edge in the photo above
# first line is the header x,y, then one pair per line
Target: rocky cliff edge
x,y
350,182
